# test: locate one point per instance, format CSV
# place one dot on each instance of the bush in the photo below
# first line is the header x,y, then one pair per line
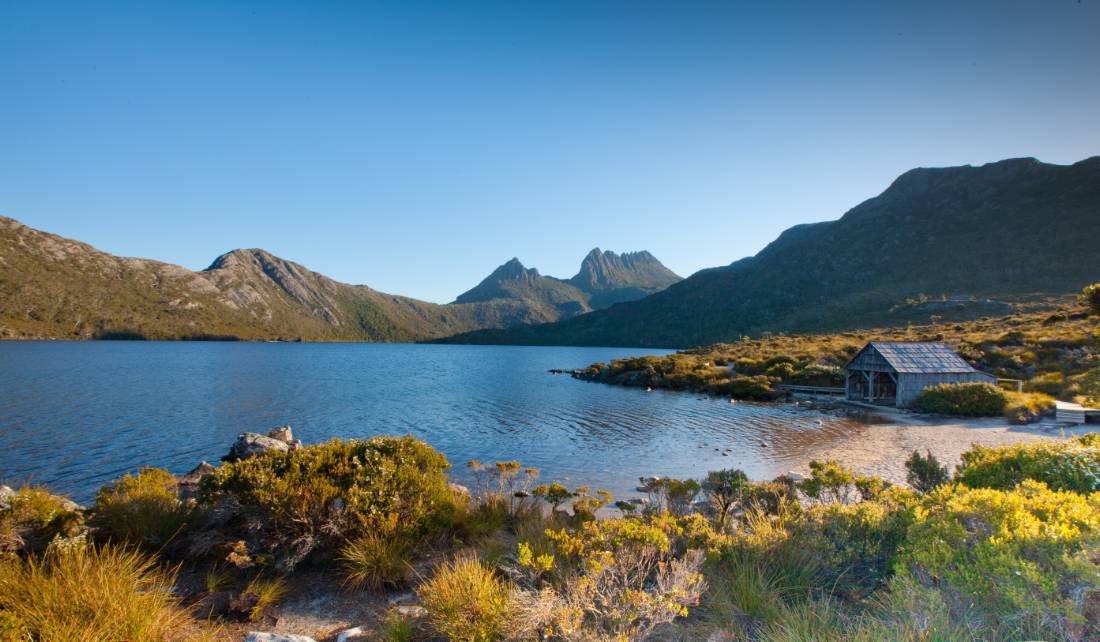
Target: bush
x,y
615,579
375,560
141,509
967,399
34,518
77,592
725,490
925,474
1025,561
466,602
1050,383
320,496
1090,297
1072,465
1026,407
828,482
260,596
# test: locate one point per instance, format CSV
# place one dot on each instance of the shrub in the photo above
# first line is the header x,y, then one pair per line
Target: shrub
x,y
79,592
673,495
466,602
1026,407
771,497
1050,383
374,560
1072,465
967,399
614,579
319,496
925,474
34,518
828,482
141,509
1090,296
855,546
1024,560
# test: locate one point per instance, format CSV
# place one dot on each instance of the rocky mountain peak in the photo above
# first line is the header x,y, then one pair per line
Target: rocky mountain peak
x,y
607,270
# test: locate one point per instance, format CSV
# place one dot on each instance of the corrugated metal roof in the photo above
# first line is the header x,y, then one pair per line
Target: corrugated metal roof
x,y
922,358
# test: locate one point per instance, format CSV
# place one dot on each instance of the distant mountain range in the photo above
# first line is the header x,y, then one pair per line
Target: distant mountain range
x,y
974,234
605,278
53,287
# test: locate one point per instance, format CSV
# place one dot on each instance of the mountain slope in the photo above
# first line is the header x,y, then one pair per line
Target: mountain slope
x,y
1007,228
55,287
545,298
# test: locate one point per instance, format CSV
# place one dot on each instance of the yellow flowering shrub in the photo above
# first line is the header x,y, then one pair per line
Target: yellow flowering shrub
x,y
1026,560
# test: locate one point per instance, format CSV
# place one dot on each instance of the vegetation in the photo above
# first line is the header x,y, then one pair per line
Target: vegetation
x,y
1008,549
142,509
316,498
967,399
466,601
79,592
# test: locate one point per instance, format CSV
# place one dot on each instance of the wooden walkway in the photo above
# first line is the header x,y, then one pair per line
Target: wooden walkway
x,y
1073,413
811,390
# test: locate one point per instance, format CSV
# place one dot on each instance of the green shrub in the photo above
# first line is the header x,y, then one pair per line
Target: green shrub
x,y
760,388
466,602
320,496
1072,465
375,560
34,517
854,545
828,482
1023,560
967,399
1050,383
84,593
925,474
1027,407
1090,296
141,509
725,490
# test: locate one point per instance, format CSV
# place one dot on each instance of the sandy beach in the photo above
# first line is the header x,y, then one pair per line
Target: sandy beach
x,y
883,447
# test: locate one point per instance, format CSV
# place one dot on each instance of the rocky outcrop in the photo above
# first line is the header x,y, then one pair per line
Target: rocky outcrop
x,y
250,444
258,636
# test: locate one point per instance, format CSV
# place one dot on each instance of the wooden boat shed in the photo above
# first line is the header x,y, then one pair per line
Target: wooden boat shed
x,y
893,374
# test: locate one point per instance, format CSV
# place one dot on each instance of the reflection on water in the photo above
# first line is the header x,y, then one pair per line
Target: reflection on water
x,y
76,415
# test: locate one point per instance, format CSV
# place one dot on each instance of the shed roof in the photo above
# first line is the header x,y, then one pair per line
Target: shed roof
x,y
921,358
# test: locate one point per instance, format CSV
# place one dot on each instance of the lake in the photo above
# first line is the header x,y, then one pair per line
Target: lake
x,y
75,415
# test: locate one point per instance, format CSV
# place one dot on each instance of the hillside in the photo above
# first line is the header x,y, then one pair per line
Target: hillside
x,y
945,242
53,287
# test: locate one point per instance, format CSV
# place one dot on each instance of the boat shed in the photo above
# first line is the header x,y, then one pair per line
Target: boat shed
x,y
894,373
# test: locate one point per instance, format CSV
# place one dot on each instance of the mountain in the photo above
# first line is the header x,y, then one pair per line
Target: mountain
x,y
55,287
605,278
935,237
614,278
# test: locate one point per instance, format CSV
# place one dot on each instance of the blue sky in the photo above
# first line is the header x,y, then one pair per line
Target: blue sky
x,y
414,147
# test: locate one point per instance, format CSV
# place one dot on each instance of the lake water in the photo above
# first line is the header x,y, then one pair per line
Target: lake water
x,y
75,415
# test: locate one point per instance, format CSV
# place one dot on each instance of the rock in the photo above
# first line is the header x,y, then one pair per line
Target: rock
x,y
795,477
258,636
357,633
250,444
459,489
404,598
282,433
411,610
6,495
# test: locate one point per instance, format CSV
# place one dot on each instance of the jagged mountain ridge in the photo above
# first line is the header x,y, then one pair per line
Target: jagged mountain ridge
x,y
1012,227
604,278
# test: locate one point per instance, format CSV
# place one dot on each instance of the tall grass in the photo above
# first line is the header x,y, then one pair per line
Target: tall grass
x,y
466,601
88,594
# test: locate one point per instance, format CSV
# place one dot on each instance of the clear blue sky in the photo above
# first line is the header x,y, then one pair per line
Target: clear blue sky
x,y
414,147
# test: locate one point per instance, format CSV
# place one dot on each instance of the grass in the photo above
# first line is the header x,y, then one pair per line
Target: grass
x,y
261,595
141,509
466,601
77,593
374,561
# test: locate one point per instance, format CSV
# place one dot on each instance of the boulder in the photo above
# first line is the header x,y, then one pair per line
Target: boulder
x,y
258,636
411,611
357,633
795,477
6,495
196,473
282,433
250,444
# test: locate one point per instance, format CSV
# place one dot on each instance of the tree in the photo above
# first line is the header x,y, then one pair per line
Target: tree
x,y
725,489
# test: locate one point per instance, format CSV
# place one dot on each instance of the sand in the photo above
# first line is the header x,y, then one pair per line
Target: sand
x,y
882,449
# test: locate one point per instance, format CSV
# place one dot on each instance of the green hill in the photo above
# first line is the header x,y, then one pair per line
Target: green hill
x,y
946,241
